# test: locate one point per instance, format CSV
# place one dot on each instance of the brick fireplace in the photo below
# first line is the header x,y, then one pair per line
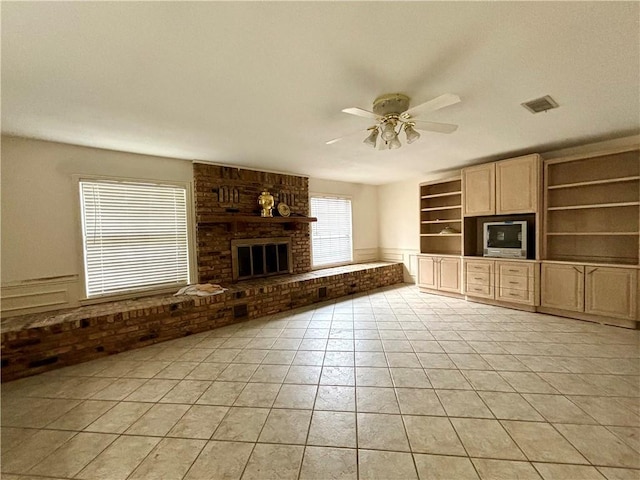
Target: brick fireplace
x,y
224,193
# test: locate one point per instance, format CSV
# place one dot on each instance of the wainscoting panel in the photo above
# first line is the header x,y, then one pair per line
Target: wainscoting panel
x,y
407,256
32,296
364,255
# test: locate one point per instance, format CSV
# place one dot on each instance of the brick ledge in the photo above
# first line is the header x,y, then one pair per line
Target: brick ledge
x,y
45,341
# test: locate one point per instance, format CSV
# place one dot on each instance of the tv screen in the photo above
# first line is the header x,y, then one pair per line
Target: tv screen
x,y
504,236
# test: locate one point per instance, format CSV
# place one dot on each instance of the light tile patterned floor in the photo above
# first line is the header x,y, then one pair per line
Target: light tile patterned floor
x,y
391,385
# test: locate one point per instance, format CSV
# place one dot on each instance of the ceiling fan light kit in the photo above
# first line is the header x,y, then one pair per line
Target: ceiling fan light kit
x,y
392,110
373,136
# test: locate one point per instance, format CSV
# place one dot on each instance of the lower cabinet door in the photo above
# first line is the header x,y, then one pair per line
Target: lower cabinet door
x,y
427,272
449,275
611,292
563,286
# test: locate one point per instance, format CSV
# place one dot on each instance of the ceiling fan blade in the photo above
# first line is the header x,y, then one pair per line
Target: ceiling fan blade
x,y
360,112
432,105
336,140
434,126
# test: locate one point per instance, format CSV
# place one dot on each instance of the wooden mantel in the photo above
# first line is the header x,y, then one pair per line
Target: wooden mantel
x,y
233,220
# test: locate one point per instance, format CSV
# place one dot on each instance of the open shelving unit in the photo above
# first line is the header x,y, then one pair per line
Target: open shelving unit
x,y
440,209
592,208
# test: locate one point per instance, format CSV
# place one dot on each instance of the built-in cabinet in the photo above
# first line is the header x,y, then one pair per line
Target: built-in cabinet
x,y
584,212
440,269
505,281
597,290
501,188
440,273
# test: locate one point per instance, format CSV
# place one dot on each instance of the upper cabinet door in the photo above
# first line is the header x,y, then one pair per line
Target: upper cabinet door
x,y
517,185
479,192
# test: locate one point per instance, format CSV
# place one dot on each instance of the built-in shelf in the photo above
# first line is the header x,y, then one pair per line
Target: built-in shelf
x,y
432,209
452,220
595,205
440,234
438,195
592,207
593,233
441,205
234,220
594,182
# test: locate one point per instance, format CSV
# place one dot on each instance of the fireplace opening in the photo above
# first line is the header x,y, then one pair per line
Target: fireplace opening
x,y
260,257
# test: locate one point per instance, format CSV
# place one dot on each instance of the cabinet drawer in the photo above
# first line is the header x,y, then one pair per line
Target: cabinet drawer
x,y
474,290
481,267
515,295
479,278
516,283
515,269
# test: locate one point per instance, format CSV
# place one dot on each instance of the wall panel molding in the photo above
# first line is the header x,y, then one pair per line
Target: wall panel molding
x,y
364,255
405,255
39,295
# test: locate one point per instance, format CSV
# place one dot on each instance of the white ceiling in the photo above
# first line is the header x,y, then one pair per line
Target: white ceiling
x,y
262,84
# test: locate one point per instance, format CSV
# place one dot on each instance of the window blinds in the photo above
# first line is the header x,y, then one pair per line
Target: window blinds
x,y
331,234
134,235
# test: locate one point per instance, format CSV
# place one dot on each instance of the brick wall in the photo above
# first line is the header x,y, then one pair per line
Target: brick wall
x,y
227,190
37,343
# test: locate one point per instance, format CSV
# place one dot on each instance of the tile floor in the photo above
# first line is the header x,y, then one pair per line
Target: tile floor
x,y
393,384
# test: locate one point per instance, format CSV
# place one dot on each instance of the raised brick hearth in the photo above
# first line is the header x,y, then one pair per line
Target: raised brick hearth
x,y
39,342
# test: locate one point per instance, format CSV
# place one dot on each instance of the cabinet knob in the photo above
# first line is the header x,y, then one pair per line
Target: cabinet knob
x,y
591,271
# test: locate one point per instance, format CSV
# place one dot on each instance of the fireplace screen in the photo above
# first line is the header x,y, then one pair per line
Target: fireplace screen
x,y
260,257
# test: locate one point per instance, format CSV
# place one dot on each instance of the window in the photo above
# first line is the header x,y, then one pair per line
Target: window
x,y
134,236
331,234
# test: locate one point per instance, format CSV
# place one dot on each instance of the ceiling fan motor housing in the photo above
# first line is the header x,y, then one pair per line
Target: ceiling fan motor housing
x,y
390,104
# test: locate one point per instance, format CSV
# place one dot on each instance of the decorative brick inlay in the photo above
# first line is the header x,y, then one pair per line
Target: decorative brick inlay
x,y
40,342
225,190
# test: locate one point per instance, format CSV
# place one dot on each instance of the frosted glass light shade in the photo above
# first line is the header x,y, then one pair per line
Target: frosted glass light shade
x,y
371,139
412,135
394,143
388,131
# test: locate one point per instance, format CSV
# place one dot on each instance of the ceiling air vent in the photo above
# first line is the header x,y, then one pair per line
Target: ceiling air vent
x,y
541,104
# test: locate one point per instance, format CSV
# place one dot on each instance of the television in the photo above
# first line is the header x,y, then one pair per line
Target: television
x,y
505,239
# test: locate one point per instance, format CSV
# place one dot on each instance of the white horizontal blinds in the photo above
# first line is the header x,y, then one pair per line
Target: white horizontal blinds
x,y
331,234
135,236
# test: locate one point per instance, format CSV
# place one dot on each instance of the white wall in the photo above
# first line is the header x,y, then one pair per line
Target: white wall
x,y
399,221
41,243
364,205
41,255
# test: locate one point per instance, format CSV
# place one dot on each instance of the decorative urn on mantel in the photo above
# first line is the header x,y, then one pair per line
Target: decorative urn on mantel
x,y
266,202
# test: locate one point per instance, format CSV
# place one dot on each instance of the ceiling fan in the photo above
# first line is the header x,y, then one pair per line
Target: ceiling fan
x,y
392,115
